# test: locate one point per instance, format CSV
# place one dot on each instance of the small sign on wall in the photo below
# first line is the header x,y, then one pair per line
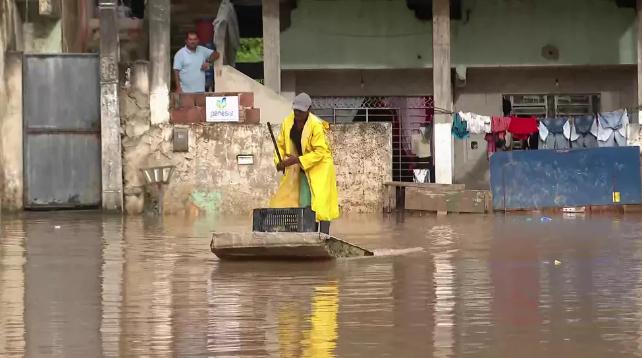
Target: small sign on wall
x,y
222,109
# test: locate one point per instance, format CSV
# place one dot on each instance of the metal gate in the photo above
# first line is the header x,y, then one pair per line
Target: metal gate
x,y
61,116
411,118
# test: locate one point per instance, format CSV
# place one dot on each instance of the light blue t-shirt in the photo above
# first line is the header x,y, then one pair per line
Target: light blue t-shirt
x,y
189,64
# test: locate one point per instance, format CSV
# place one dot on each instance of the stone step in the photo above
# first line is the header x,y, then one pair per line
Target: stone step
x,y
427,186
461,201
436,198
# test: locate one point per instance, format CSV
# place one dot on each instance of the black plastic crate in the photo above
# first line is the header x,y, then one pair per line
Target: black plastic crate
x,y
284,220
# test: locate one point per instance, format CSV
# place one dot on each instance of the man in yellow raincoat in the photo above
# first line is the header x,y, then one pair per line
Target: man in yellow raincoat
x,y
309,179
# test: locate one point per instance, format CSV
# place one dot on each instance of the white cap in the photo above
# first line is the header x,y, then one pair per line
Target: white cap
x,y
302,102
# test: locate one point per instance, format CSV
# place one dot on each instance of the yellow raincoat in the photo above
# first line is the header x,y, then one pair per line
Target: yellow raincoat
x,y
318,165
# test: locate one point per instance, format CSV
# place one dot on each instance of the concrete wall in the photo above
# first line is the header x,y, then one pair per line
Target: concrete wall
x,y
43,36
363,161
10,106
485,87
209,180
409,82
386,34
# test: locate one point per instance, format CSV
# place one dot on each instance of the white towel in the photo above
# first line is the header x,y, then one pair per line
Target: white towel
x,y
477,124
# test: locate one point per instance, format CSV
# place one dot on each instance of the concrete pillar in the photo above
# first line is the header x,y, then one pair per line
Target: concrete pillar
x,y
158,12
442,91
271,45
11,153
112,168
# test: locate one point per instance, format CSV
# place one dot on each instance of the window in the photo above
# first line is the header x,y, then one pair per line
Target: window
x,y
547,105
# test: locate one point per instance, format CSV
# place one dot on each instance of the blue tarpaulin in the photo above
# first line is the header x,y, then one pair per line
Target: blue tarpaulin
x,y
537,179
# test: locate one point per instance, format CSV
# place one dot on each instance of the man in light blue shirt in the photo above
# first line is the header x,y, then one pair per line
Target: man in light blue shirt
x,y
190,64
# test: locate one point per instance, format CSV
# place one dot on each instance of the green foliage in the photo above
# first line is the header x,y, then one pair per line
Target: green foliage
x,y
250,50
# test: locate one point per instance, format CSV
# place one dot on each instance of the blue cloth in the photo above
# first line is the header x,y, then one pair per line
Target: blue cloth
x,y
585,129
460,127
612,128
189,63
551,134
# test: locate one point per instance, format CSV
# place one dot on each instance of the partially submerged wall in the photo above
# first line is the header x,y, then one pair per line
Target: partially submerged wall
x,y
209,180
11,177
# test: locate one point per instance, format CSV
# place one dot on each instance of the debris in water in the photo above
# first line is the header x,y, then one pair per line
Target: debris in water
x,y
57,227
557,262
545,219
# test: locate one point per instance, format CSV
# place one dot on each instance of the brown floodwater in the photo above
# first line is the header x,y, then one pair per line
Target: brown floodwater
x,y
88,285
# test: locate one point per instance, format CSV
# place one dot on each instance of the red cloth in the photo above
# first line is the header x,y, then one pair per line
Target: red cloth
x,y
491,144
498,128
499,124
522,128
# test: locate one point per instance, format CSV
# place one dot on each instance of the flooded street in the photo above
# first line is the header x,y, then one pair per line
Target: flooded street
x,y
87,285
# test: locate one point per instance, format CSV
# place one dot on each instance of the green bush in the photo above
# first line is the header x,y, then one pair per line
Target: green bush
x,y
250,50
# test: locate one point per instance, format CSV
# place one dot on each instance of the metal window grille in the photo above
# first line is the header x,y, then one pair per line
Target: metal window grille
x,y
547,105
411,119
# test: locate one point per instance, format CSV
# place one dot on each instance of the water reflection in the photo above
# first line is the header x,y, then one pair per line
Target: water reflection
x,y
320,339
62,268
88,285
12,285
443,250
112,286
259,310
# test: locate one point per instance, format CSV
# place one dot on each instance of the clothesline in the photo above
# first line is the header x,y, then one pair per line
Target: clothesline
x,y
438,110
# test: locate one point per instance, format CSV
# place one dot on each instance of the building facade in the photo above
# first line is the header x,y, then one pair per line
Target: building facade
x,y
361,61
358,49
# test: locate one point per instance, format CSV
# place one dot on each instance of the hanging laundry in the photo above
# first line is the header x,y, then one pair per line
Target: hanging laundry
x,y
500,124
522,128
584,132
612,128
491,144
533,141
477,124
554,133
497,136
460,127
